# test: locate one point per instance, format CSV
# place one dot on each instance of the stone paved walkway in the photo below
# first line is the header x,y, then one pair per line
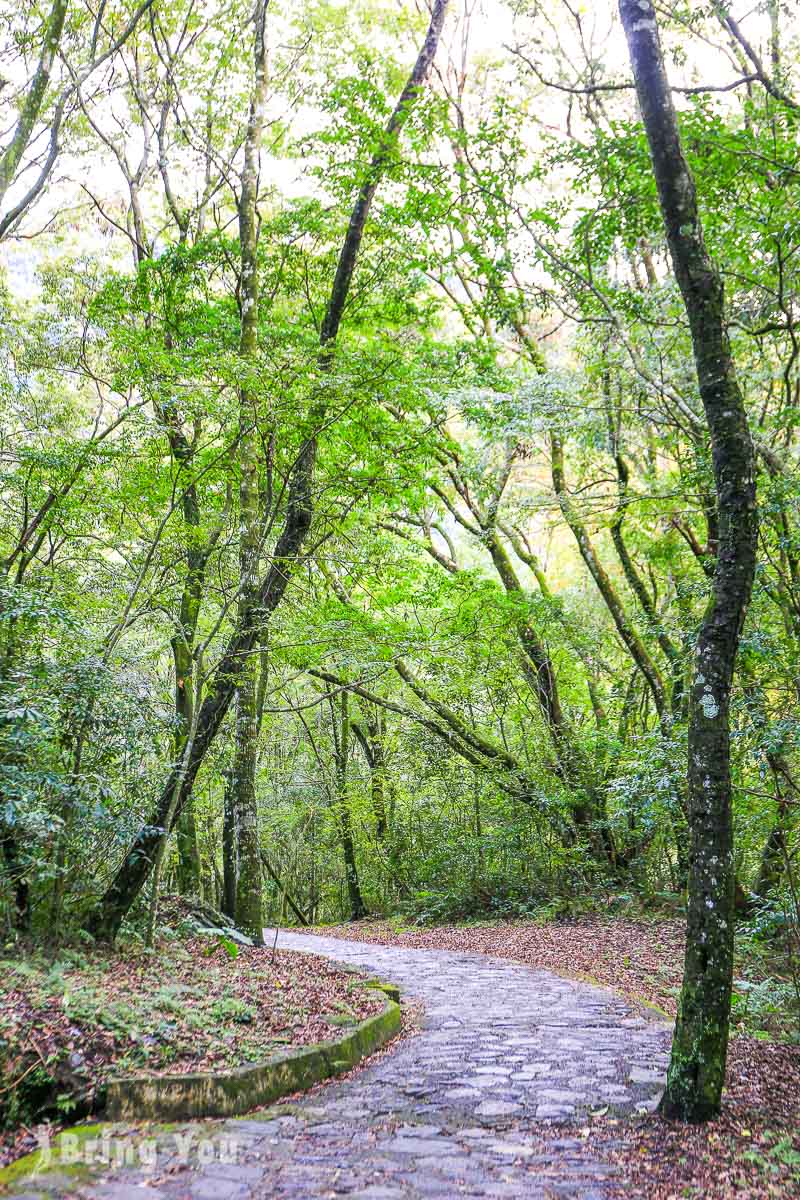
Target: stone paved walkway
x,y
452,1111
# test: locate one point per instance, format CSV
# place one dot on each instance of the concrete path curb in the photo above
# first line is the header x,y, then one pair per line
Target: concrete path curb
x,y
231,1093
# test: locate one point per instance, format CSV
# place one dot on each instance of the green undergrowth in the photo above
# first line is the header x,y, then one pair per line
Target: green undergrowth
x,y
72,1022
495,900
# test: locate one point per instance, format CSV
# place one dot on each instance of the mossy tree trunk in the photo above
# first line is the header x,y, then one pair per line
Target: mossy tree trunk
x,y
344,818
228,903
248,908
35,96
183,662
371,736
699,1049
248,913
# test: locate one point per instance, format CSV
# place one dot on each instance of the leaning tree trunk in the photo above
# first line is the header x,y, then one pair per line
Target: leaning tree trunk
x,y
699,1048
105,919
34,98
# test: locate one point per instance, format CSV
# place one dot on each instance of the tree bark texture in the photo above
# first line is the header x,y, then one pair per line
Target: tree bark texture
x,y
228,904
249,916
699,1049
34,99
358,908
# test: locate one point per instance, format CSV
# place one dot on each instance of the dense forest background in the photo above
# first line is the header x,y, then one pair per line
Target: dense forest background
x,y
407,627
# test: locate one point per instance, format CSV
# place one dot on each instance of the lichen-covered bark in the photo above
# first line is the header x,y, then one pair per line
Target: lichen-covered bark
x,y
182,644
228,902
358,908
35,97
699,1051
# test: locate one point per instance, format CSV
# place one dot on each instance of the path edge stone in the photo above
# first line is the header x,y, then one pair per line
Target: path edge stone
x,y
237,1091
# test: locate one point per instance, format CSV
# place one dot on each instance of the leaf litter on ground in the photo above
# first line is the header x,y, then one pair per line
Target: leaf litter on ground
x,y
69,1025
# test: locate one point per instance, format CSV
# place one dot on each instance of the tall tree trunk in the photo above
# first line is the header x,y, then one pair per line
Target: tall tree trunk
x,y
249,916
774,854
358,908
229,872
699,1048
578,773
371,738
248,910
189,874
105,919
184,667
624,625
17,875
34,98
161,849
634,580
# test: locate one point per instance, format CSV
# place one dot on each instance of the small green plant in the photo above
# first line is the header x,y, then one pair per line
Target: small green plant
x,y
762,1007
230,1008
82,1004
66,1103
197,1019
222,940
166,1000
772,1159
344,1015
120,1018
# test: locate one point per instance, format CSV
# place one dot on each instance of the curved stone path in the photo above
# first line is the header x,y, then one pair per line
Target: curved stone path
x,y
451,1111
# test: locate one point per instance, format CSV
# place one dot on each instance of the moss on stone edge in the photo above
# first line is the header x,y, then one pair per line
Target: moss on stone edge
x,y
43,1160
226,1094
231,1093
389,989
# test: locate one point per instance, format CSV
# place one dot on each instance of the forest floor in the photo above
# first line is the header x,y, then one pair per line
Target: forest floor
x,y
514,1082
73,1020
752,1151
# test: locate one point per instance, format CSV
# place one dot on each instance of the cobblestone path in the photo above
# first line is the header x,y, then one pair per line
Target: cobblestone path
x,y
453,1110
